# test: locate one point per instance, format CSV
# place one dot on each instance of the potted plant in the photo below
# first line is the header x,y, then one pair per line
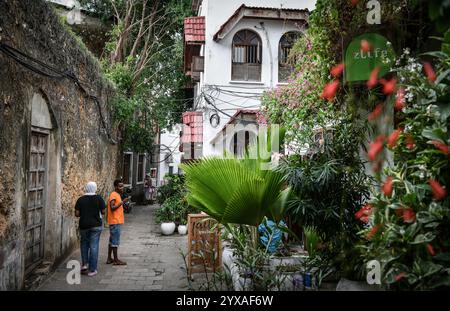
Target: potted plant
x,y
182,227
166,216
183,209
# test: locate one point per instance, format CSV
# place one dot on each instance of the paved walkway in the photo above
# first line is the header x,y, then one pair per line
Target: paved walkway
x,y
154,261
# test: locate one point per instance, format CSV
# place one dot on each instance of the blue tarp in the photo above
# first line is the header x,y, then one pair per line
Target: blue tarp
x,y
272,232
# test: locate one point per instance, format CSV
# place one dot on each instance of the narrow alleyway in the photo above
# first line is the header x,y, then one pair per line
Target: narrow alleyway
x,y
154,261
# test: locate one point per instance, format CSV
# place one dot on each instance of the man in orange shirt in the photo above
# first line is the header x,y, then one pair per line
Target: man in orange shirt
x,y
115,220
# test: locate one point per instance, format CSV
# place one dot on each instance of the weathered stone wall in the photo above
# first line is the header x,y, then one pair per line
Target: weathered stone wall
x,y
79,150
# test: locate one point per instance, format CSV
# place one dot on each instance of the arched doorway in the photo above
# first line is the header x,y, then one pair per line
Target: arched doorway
x,y
241,141
37,182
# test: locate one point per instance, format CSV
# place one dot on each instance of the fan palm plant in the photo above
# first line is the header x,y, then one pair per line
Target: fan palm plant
x,y
234,191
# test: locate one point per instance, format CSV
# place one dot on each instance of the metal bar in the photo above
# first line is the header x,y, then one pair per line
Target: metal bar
x,y
33,227
35,208
31,246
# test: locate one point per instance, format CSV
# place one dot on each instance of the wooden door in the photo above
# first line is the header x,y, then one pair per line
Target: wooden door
x,y
37,189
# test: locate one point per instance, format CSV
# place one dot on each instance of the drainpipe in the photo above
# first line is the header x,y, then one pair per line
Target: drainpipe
x,y
270,52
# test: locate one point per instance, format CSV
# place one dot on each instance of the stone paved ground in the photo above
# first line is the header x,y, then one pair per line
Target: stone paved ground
x,y
154,261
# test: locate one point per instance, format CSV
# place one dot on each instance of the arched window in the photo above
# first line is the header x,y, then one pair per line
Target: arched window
x,y
247,55
285,68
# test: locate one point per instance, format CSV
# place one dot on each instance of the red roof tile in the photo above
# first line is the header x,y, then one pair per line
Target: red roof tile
x,y
193,127
260,12
194,29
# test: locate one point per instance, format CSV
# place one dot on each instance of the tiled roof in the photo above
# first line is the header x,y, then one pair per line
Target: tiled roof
x,y
235,120
194,29
193,127
275,9
260,12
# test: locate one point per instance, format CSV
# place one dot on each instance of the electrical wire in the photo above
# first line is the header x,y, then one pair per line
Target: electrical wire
x,y
33,64
220,110
234,105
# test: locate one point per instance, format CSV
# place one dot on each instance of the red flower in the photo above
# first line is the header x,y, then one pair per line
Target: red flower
x,y
373,80
439,192
400,100
365,46
373,231
400,276
354,2
441,146
376,112
430,250
410,143
429,71
330,90
389,86
408,215
387,187
392,139
375,147
337,70
364,213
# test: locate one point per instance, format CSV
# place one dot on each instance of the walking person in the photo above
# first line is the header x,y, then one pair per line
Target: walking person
x,y
115,220
89,208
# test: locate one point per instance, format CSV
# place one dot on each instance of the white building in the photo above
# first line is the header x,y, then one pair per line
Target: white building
x,y
234,51
170,154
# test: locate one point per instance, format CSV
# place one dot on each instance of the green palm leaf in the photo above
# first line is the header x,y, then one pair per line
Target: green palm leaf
x,y
236,191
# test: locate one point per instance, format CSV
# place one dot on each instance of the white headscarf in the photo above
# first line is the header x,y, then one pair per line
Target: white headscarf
x,y
90,188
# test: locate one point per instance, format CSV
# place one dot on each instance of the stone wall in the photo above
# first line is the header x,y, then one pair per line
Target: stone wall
x,y
79,148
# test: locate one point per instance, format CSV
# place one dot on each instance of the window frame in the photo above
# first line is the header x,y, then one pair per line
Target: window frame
x,y
130,175
284,66
258,54
155,174
140,182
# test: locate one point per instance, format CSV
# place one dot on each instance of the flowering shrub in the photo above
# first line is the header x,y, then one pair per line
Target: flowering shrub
x,y
408,219
298,104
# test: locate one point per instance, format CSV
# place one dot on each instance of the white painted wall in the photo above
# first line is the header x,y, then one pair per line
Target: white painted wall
x,y
218,57
170,141
67,3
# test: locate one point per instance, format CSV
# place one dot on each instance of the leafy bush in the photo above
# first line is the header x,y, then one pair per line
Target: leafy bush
x,y
312,240
167,212
235,191
253,260
409,224
174,187
172,197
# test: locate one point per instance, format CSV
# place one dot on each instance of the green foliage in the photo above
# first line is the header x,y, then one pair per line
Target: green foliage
x,y
175,186
167,212
438,11
172,196
328,177
64,24
234,192
238,191
329,186
412,240
298,105
312,240
146,68
253,260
